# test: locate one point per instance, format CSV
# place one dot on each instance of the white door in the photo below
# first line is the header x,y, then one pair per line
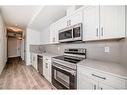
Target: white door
x,y
18,47
91,23
14,47
112,22
105,87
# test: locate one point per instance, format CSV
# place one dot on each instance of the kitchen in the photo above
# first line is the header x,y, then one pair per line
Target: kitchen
x,y
103,53
82,47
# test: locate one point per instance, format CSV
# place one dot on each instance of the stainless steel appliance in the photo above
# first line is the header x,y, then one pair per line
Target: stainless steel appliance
x,y
40,64
73,33
64,68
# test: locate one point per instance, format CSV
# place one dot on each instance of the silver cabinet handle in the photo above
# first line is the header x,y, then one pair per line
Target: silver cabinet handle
x,y
46,65
102,31
94,87
99,76
97,32
69,22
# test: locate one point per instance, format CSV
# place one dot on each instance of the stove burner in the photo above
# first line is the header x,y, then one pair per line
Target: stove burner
x,y
69,58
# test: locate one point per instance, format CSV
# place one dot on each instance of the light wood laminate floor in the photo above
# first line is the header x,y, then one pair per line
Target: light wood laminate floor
x,y
16,75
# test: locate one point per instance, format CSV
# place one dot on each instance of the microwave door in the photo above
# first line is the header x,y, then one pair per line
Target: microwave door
x,y
65,35
77,32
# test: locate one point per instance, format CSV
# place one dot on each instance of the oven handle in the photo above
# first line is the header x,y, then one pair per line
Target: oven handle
x,y
72,72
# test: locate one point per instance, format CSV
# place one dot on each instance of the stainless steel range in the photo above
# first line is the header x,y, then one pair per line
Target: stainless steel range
x,y
64,68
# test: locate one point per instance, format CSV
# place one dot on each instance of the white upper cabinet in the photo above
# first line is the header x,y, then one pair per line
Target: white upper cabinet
x,y
91,23
112,22
63,23
73,19
103,22
76,17
53,33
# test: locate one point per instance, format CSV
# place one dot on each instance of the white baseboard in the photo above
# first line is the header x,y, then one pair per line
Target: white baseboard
x,y
2,67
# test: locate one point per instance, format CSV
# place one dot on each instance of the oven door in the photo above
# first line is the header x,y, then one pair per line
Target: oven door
x,y
63,77
77,32
65,35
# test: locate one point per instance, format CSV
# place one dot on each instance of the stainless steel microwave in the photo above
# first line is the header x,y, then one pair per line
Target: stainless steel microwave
x,y
73,33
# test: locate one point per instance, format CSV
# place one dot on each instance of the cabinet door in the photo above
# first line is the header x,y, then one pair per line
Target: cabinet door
x,y
105,87
45,69
34,61
86,82
63,23
54,33
112,22
91,23
49,72
76,18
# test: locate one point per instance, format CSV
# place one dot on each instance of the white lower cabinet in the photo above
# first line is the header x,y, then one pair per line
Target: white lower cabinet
x,y
91,79
47,68
34,60
85,82
104,87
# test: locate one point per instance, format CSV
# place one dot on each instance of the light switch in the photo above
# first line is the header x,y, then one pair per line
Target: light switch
x,y
107,49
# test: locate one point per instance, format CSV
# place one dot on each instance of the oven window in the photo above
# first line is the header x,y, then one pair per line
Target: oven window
x,y
62,78
65,35
76,32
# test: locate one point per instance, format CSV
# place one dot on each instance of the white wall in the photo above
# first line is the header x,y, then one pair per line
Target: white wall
x,y
22,49
3,44
32,38
45,36
14,47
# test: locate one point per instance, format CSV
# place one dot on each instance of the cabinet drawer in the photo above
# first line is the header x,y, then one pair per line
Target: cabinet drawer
x,y
46,59
126,84
113,81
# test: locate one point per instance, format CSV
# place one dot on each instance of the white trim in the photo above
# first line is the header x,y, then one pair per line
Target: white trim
x,y
35,15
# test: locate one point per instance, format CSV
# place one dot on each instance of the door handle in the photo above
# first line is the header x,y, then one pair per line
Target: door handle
x,y
102,31
98,76
94,87
97,32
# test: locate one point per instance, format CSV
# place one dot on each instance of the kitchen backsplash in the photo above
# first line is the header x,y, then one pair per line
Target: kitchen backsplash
x,y
95,50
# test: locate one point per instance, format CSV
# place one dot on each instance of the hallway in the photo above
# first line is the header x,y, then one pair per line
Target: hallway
x,y
17,75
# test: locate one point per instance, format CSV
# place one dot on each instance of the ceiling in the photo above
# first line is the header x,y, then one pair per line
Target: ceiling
x,y
35,17
18,16
47,16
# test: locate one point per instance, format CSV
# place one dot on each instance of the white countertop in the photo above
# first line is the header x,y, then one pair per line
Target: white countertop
x,y
108,67
47,54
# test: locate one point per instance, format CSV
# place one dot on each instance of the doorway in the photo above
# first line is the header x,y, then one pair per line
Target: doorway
x,y
14,47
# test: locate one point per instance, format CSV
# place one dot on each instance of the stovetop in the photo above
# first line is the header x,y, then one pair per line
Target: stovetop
x,y
71,59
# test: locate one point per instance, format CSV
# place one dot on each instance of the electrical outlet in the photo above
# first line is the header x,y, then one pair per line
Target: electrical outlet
x,y
58,48
107,49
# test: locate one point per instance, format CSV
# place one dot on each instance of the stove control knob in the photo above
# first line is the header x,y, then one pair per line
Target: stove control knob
x,y
84,50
